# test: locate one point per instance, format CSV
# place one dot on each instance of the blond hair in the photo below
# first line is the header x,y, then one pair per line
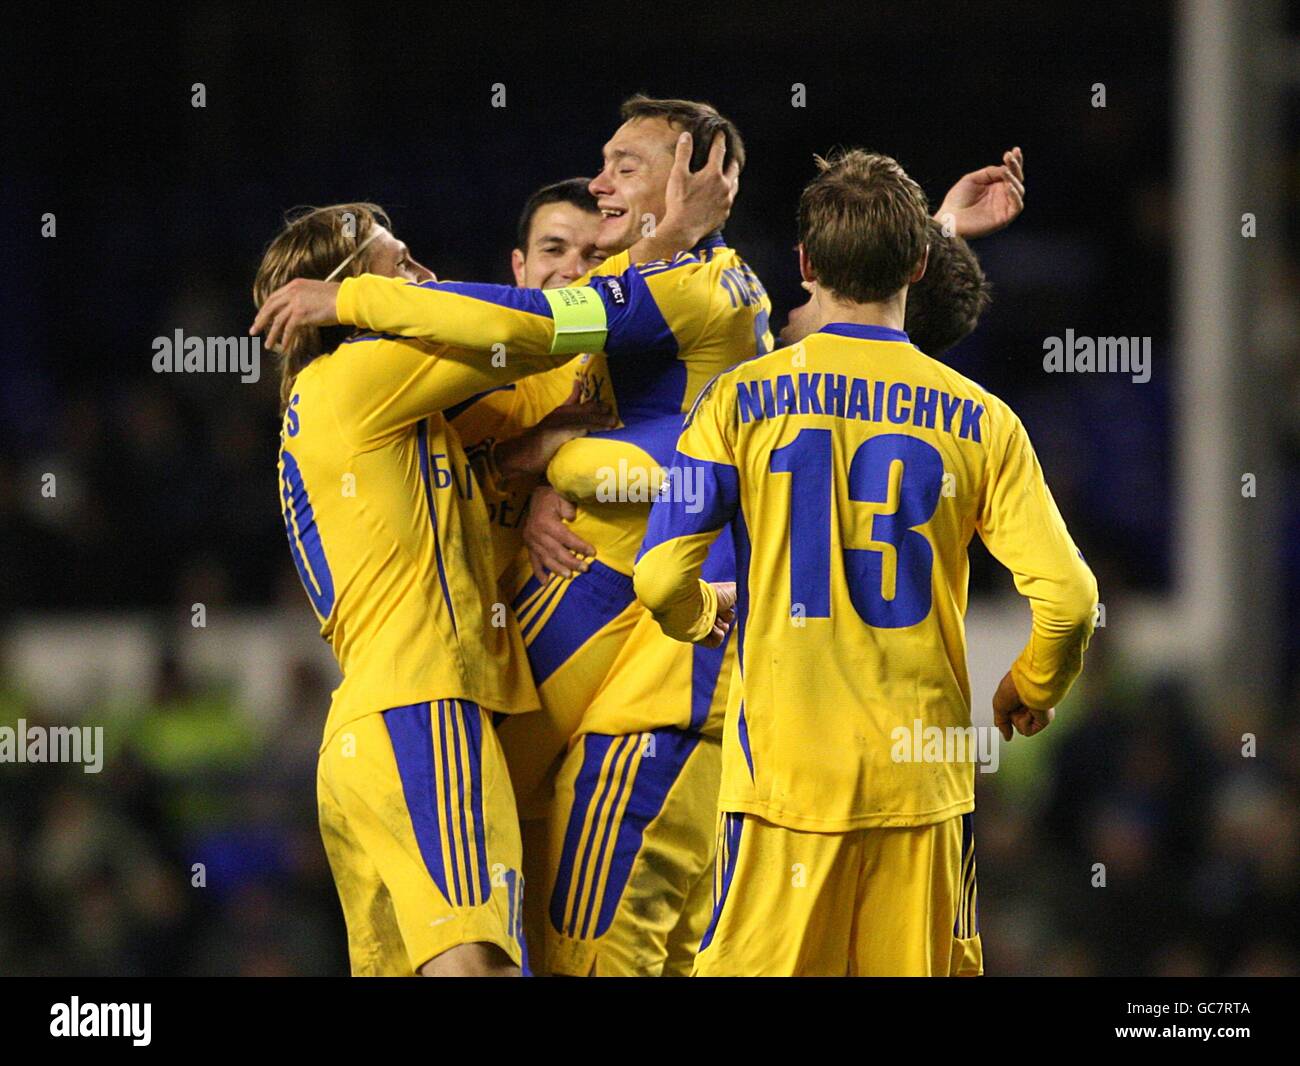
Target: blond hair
x,y
863,224
313,244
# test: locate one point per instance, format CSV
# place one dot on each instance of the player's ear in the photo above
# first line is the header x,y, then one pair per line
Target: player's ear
x,y
806,270
919,272
517,265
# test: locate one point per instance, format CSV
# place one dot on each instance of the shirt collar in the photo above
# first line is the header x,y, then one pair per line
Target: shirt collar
x,y
713,240
865,333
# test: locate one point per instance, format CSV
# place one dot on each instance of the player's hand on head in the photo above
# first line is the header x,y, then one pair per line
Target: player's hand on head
x,y
1010,713
300,304
726,615
552,546
986,200
699,203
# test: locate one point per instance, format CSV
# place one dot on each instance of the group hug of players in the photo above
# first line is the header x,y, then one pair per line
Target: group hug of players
x,y
583,734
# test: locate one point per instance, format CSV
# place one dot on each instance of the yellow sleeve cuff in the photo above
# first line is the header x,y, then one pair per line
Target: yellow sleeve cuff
x,y
345,304
708,613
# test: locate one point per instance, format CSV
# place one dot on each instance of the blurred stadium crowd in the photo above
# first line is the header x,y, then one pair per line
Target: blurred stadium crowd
x,y
166,488
98,873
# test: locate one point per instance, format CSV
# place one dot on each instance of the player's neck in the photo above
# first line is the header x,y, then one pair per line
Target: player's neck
x,y
889,313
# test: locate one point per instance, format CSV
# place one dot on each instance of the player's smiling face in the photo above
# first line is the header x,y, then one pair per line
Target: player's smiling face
x,y
633,182
561,247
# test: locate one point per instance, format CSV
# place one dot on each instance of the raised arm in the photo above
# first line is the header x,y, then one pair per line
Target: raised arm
x,y
500,319
697,203
615,313
985,200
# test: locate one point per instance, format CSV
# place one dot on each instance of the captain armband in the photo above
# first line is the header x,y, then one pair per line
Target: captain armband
x,y
580,322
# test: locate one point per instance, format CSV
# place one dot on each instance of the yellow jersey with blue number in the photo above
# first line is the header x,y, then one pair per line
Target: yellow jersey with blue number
x,y
853,471
388,528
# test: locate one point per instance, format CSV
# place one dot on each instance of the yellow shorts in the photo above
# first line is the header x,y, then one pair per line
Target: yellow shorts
x,y
871,902
419,825
632,843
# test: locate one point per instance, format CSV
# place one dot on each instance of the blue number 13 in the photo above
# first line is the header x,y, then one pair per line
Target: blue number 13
x,y
808,460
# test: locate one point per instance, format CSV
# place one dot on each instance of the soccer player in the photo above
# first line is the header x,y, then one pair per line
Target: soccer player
x,y
619,869
707,310
632,805
389,534
852,471
618,815
943,308
555,247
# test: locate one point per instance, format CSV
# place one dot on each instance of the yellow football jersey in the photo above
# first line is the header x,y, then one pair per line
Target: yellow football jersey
x,y
388,528
715,312
668,327
507,411
853,470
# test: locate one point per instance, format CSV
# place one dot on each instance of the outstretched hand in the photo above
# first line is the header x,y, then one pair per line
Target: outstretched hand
x,y
987,200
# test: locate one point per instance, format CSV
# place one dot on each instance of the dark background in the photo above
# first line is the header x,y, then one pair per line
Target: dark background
x,y
162,212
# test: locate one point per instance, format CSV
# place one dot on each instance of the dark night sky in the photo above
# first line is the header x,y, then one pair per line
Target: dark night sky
x,y
163,209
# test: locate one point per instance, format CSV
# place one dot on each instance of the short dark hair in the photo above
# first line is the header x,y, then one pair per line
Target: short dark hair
x,y
946,304
702,121
571,191
862,223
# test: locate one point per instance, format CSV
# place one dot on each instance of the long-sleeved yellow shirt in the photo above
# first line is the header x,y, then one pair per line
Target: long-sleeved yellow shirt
x,y
853,470
667,327
388,529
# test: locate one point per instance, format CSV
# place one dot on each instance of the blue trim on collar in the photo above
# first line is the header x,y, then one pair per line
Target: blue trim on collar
x,y
865,333
713,240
